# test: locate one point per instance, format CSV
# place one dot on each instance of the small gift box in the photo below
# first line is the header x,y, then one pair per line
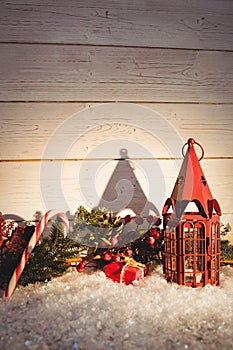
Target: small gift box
x,y
126,273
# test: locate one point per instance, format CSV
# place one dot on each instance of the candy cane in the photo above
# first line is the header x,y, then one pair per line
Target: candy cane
x,y
30,246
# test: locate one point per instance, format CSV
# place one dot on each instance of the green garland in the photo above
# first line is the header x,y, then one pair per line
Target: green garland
x,y
105,236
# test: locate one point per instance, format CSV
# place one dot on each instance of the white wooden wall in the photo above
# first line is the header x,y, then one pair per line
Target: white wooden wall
x,y
82,72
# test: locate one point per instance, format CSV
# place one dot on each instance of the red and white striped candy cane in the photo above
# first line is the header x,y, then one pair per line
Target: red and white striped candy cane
x,y
30,246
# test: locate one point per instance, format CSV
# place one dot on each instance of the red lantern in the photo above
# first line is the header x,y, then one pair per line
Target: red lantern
x,y
192,238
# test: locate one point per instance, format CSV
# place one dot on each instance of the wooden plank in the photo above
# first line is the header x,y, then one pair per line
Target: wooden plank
x,y
199,24
21,184
61,73
27,128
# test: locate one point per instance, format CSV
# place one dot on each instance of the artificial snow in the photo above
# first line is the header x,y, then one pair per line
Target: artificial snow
x,y
87,311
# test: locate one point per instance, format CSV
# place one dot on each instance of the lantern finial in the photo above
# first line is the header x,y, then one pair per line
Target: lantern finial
x,y
191,141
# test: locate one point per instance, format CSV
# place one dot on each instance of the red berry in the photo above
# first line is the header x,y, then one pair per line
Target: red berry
x,y
127,218
151,240
80,269
107,256
103,244
81,266
154,233
117,257
157,221
128,252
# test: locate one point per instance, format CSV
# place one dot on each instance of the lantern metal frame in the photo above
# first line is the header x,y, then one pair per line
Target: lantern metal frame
x,y
192,239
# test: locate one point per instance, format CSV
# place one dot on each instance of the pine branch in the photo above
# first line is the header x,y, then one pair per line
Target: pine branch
x,y
49,258
226,250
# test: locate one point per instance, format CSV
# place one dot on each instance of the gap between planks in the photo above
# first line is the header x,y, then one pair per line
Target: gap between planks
x,y
101,158
112,101
12,42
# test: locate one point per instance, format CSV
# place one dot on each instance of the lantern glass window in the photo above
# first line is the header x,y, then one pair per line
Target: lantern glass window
x,y
171,253
194,251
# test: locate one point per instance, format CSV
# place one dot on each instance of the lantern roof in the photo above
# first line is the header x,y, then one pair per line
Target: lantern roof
x,y
191,186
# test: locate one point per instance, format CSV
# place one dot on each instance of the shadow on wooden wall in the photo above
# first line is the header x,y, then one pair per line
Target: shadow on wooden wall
x,y
123,190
